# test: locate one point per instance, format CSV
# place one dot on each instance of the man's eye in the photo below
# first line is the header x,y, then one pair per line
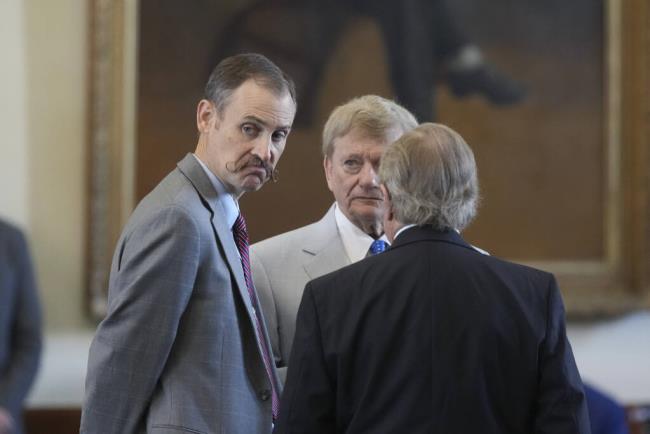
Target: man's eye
x,y
352,165
249,130
279,136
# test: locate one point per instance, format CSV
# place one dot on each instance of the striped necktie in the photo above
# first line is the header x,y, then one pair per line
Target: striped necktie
x,y
240,234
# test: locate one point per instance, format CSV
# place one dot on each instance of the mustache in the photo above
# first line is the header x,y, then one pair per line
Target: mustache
x,y
250,160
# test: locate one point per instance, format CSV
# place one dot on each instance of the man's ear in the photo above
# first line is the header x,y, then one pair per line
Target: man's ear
x,y
327,167
206,116
385,192
388,204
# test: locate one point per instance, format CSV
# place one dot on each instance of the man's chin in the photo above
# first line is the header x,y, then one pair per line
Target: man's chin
x,y
253,183
370,213
366,206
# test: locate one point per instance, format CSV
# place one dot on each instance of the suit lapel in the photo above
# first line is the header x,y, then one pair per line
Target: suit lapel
x,y
325,250
224,239
195,174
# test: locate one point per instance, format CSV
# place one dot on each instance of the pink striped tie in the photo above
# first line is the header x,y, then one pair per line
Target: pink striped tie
x,y
240,234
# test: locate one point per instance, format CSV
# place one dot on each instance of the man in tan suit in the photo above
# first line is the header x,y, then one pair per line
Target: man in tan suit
x,y
354,139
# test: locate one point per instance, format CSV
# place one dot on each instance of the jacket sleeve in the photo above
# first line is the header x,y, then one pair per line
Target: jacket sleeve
x,y
561,405
25,334
308,400
152,279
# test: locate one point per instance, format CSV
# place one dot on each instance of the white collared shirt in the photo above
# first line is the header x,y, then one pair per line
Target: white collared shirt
x,y
230,204
355,241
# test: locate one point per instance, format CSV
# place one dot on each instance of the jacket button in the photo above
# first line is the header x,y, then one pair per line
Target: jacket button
x,y
265,394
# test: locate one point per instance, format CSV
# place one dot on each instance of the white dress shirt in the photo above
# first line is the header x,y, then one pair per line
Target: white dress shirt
x,y
355,241
229,204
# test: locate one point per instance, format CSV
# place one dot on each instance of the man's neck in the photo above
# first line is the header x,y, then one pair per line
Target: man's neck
x,y
375,230
202,158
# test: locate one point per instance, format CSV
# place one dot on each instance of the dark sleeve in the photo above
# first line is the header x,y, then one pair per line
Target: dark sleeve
x,y
561,404
151,285
308,400
26,331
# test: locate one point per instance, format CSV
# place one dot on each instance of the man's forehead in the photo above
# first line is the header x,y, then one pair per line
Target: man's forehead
x,y
360,144
250,100
251,89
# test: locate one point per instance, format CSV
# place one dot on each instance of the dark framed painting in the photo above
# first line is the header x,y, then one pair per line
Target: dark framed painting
x,y
563,158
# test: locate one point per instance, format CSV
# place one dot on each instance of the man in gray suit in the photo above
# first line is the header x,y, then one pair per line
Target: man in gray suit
x,y
20,327
354,139
184,347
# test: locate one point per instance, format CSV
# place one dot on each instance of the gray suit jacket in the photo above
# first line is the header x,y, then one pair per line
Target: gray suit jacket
x,y
20,322
282,266
178,350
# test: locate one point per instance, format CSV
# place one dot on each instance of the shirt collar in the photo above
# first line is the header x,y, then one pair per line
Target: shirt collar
x,y
355,241
228,201
402,229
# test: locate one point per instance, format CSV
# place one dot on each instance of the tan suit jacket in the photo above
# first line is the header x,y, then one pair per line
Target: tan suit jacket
x,y
282,265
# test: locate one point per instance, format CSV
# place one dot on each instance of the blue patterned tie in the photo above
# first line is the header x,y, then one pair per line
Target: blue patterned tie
x,y
377,246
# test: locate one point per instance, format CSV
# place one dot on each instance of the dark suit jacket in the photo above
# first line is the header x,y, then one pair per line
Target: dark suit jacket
x,y
20,322
432,337
178,350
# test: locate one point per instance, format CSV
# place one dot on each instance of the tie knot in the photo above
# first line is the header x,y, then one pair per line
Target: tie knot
x,y
378,246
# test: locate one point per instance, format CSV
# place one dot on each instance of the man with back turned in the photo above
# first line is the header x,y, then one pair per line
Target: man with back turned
x,y
432,336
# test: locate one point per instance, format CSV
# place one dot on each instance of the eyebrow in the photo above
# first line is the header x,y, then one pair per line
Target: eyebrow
x,y
251,118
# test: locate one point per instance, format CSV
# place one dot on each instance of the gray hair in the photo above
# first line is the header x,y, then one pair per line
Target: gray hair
x,y
233,71
431,176
373,115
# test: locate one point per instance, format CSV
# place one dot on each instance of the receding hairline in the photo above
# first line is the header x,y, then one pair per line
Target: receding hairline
x,y
232,72
227,96
374,116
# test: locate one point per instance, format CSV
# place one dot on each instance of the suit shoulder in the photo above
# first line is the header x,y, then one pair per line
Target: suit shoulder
x,y
173,189
525,275
9,228
522,268
174,192
164,215
283,241
11,235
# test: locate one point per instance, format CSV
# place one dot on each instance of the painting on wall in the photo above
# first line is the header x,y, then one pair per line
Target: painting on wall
x,y
534,87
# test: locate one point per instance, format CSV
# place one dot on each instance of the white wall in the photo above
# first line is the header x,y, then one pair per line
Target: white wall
x,y
614,355
42,110
14,185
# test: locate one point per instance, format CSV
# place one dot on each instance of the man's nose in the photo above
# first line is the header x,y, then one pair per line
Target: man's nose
x,y
368,177
263,148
